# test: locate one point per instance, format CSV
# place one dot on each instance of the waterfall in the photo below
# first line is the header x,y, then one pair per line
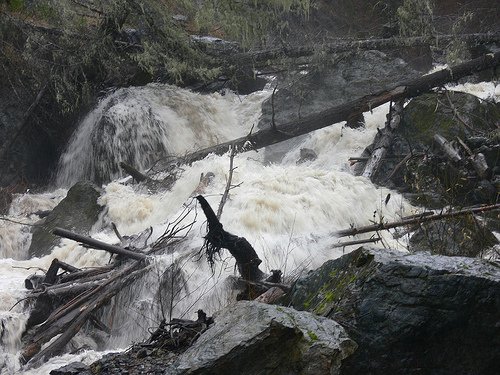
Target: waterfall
x,y
288,212
141,125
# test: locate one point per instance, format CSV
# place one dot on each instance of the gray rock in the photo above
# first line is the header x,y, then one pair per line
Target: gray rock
x,y
254,338
351,77
306,154
72,369
77,212
409,314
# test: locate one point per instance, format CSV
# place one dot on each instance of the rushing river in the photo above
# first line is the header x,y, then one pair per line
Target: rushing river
x,y
288,212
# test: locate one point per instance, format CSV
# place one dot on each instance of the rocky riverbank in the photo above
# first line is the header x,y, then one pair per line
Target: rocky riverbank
x,y
373,311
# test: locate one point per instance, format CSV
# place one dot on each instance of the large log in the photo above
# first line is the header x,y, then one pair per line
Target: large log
x,y
447,148
259,59
136,175
404,90
96,244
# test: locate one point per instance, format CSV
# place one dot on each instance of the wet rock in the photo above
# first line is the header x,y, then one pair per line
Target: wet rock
x,y
254,338
409,313
306,154
72,369
349,77
77,212
133,362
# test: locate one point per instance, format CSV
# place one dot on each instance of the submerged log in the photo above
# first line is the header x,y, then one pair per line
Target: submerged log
x,y
304,125
217,238
136,175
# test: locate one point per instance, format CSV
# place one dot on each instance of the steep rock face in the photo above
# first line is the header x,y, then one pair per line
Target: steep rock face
x,y
434,180
254,338
28,143
78,212
343,80
411,314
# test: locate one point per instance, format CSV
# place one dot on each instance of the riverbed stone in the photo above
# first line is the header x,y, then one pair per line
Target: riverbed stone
x,y
249,338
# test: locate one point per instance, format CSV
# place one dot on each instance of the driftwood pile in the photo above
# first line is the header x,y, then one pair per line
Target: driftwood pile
x,y
64,302
179,334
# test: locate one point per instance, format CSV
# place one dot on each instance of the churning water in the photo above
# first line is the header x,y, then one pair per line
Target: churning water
x,y
288,212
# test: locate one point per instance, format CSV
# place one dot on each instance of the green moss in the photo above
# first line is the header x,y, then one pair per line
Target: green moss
x,y
15,5
313,336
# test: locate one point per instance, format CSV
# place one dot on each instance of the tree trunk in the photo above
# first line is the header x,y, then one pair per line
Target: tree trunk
x,y
136,175
246,257
261,59
95,244
69,318
408,89
380,149
414,220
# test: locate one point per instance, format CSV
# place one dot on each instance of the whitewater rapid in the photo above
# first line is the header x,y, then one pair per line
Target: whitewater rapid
x,y
288,212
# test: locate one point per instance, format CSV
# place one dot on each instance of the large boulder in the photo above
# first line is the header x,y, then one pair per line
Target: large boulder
x,y
339,81
409,314
77,212
249,337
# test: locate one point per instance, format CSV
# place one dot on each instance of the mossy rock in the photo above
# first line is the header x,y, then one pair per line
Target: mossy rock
x,y
77,212
324,291
408,313
466,116
429,173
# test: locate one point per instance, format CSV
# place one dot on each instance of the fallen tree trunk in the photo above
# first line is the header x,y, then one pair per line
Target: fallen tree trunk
x,y
217,238
260,59
414,220
71,301
384,142
96,244
408,89
136,175
357,242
